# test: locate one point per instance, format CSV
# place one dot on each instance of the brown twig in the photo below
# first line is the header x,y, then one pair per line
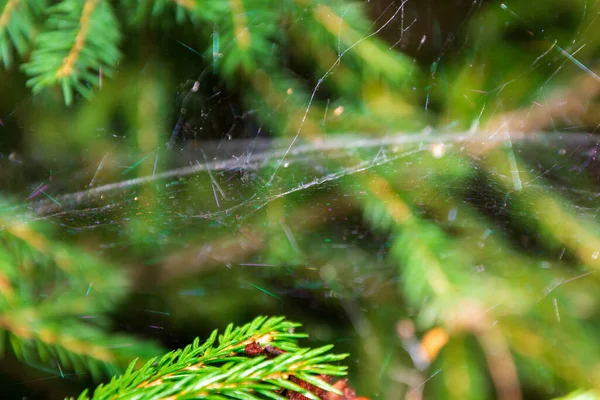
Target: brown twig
x,y
570,103
501,364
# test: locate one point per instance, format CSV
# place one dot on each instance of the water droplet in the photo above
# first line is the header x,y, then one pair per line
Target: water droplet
x,y
438,150
452,214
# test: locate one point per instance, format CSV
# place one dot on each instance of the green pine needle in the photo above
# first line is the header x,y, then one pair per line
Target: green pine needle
x,y
79,42
19,22
219,369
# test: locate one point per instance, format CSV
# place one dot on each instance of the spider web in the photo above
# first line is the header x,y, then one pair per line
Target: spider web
x,y
222,171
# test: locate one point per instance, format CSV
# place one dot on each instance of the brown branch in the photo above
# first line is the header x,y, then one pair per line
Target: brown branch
x,y
568,103
501,364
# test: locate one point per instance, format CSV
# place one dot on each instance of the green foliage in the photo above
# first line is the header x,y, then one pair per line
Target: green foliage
x,y
19,22
217,368
54,303
79,41
466,238
515,54
77,46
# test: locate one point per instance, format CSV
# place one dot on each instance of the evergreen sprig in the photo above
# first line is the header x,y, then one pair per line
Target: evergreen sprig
x,y
79,42
219,369
78,45
439,275
19,20
53,301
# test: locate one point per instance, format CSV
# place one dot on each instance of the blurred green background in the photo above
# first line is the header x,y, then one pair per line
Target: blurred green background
x,y
415,182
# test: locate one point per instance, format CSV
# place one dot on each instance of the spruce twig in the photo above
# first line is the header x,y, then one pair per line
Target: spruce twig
x,y
232,365
19,20
79,40
53,301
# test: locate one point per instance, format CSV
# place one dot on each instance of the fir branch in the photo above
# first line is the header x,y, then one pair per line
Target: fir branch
x,y
246,38
72,345
243,33
18,26
79,39
220,367
68,63
439,280
343,29
40,254
52,303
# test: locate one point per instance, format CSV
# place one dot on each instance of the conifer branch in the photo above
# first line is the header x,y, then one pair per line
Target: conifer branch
x,y
66,69
19,21
52,303
79,39
346,32
231,365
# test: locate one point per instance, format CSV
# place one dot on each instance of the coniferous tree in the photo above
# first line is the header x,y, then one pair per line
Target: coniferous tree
x,y
493,268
